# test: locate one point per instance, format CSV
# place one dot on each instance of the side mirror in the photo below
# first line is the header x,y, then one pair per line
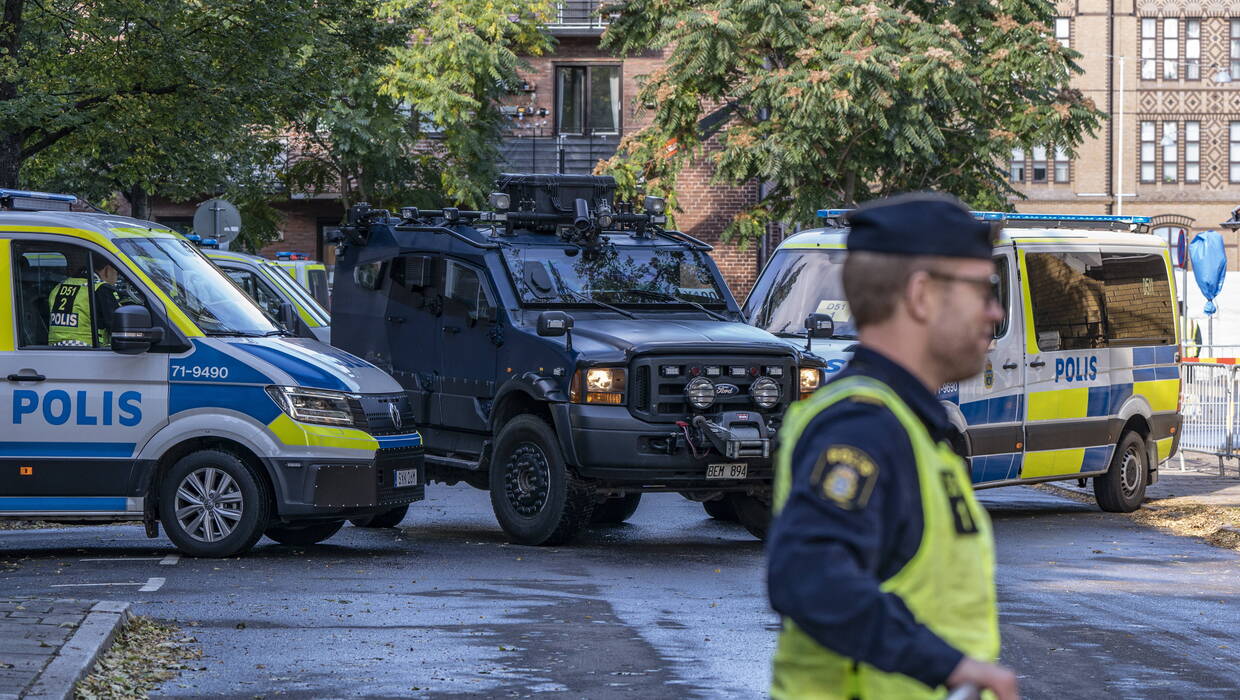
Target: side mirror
x,y
132,333
288,316
818,326
553,324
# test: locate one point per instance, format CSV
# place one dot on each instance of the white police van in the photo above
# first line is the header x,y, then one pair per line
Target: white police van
x,y
137,382
278,293
1082,380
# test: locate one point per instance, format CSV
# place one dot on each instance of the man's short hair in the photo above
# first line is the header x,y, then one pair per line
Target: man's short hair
x,y
874,283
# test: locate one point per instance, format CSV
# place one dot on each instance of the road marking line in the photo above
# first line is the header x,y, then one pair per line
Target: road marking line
x,y
79,585
170,560
152,585
123,559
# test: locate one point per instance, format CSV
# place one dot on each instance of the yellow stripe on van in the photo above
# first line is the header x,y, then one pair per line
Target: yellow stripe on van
x,y
290,432
1052,463
6,301
1060,404
1163,394
1031,339
1164,448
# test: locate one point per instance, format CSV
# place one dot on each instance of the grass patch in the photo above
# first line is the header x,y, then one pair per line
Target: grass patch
x,y
145,654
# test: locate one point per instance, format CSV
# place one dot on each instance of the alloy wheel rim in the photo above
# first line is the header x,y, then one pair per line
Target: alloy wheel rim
x,y
526,478
209,504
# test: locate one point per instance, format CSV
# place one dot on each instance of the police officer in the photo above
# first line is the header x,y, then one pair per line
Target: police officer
x,y
880,560
71,306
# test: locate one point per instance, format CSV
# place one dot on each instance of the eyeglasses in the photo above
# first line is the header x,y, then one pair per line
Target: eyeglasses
x,y
988,286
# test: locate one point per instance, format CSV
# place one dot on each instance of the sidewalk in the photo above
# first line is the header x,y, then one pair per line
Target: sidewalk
x,y
47,645
1199,483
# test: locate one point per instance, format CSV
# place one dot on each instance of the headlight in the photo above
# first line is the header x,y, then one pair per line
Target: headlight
x,y
315,405
700,392
811,377
599,385
765,392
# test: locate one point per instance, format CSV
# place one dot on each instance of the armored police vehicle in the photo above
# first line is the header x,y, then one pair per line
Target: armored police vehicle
x,y
137,382
275,291
567,353
1082,380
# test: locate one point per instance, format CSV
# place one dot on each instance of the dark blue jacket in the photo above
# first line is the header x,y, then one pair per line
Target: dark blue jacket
x,y
827,558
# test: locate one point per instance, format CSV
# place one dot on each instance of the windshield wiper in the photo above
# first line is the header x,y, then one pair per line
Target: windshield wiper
x,y
573,293
665,295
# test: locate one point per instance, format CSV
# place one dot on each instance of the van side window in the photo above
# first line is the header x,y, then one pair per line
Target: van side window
x,y
466,290
1004,294
1083,301
257,289
66,295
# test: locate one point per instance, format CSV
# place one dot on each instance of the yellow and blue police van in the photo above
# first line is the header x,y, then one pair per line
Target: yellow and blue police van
x,y
311,274
138,382
269,285
1082,380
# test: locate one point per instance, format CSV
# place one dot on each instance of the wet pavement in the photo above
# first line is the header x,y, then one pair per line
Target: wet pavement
x,y
671,604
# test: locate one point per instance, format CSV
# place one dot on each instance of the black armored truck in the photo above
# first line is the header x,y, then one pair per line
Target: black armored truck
x,y
568,353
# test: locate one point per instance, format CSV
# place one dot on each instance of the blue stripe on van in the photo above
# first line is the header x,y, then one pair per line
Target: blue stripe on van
x,y
66,449
1165,354
1097,458
303,371
995,467
1171,372
63,503
388,441
1145,375
1154,355
1001,409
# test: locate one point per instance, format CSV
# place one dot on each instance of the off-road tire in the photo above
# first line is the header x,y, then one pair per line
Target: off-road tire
x,y
614,511
255,504
528,472
304,535
721,509
388,518
752,512
1122,488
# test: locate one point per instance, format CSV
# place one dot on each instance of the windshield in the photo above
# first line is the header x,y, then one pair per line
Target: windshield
x,y
205,294
795,284
278,277
613,274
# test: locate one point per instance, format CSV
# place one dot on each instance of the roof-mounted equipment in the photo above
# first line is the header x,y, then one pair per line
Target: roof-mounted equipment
x,y
1139,224
24,200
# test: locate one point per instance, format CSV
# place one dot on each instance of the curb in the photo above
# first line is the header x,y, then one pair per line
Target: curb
x,y
75,659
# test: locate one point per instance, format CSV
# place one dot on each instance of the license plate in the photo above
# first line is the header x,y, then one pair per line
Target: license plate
x,y
405,477
727,471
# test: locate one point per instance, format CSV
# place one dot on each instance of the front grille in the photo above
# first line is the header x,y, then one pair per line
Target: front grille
x,y
659,397
387,461
377,418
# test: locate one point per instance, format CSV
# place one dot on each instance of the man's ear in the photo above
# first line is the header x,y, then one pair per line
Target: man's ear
x,y
920,297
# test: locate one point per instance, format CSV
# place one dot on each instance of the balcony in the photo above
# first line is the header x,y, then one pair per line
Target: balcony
x,y
578,18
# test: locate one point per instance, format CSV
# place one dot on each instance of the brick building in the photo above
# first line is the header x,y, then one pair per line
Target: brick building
x,y
1167,73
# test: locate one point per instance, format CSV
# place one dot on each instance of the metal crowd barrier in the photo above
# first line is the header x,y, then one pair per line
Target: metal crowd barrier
x,y
1210,390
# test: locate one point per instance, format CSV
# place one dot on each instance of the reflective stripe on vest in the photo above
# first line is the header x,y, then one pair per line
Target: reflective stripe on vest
x,y
948,584
69,320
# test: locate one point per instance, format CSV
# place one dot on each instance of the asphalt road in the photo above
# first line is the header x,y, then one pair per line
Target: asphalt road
x,y
669,605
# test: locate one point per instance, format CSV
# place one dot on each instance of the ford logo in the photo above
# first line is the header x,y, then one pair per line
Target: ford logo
x,y
726,390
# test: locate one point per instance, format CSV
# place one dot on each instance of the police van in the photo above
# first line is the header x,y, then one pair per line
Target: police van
x,y
1082,380
311,274
275,291
137,382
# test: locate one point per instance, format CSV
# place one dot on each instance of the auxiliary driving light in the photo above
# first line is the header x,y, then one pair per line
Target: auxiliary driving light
x,y
700,392
765,392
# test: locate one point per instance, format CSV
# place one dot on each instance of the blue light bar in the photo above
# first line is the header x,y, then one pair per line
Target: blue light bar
x,y
1012,216
193,238
48,196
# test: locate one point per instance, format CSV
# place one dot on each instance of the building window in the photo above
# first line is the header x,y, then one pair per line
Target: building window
x,y
1233,153
1149,46
1192,152
1235,49
1039,163
1061,165
1147,151
588,99
1192,49
1171,48
1063,31
1171,151
1016,173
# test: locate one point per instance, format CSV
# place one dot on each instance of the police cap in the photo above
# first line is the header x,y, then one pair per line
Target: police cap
x,y
921,223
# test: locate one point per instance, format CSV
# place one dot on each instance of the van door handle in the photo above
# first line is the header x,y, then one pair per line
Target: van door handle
x,y
451,329
395,319
26,378
1011,365
1037,363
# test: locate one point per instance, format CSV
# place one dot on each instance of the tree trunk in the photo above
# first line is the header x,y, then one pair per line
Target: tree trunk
x,y
850,189
10,160
139,203
12,138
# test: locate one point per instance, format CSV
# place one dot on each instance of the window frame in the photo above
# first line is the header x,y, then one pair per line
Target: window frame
x,y
1003,268
1171,48
259,283
1170,153
1233,152
1063,31
1034,161
1148,38
484,290
1192,163
1061,163
1234,49
586,69
1150,142
1017,161
1192,45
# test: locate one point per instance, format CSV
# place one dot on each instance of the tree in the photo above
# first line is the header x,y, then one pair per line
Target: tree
x,y
837,101
146,96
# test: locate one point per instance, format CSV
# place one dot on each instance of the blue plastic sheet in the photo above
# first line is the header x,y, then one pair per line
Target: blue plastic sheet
x,y
1209,265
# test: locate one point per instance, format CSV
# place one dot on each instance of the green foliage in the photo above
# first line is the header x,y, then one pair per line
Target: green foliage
x,y
839,101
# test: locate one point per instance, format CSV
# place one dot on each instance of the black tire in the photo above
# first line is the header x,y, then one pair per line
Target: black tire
x,y
304,535
537,498
1122,488
235,494
752,512
388,518
721,509
614,511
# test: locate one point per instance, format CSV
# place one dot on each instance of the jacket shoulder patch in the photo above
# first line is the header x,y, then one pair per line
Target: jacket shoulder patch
x,y
845,475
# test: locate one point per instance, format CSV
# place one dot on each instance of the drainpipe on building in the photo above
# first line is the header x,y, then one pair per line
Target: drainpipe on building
x,y
1111,105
